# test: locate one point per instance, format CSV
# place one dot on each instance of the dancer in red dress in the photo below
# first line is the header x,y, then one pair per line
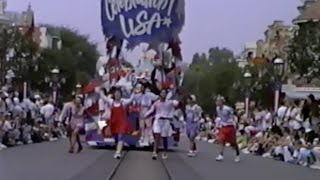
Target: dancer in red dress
x,y
118,123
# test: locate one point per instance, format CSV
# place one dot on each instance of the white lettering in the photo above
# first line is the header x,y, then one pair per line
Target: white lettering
x,y
114,7
170,7
109,12
124,26
142,24
155,19
141,28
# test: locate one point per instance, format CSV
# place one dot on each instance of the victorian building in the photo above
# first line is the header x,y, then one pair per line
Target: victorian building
x,y
309,11
25,21
249,51
276,40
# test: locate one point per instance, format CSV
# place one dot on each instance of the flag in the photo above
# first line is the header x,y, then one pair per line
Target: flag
x,y
175,48
112,43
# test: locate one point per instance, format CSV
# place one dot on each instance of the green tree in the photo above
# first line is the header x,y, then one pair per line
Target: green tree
x,y
213,75
17,52
219,55
304,50
76,59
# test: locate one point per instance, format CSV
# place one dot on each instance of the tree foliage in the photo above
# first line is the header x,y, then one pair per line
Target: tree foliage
x,y
213,75
304,50
218,74
18,53
76,59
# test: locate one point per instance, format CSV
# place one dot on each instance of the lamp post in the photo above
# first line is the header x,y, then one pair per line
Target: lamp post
x,y
247,77
9,76
78,89
55,82
278,65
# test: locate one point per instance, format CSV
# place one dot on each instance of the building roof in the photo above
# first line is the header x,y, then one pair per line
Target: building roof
x,y
311,13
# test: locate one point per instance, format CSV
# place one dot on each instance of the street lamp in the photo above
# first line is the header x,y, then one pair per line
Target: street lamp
x,y
78,89
247,77
278,65
55,82
9,76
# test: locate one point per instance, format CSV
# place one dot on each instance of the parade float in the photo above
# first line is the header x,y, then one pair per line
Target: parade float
x,y
126,25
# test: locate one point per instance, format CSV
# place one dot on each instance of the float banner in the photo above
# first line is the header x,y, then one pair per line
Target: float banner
x,y
143,21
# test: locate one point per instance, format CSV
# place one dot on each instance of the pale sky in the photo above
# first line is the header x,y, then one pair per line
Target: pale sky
x,y
209,23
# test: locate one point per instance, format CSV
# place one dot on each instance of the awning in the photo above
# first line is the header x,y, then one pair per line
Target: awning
x,y
301,95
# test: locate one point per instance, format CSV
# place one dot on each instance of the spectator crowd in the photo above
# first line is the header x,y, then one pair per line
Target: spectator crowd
x,y
291,134
27,120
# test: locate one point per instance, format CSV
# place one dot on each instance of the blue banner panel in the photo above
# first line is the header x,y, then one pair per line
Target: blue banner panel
x,y
142,21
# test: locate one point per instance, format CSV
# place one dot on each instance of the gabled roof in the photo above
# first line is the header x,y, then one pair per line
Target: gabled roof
x,y
311,13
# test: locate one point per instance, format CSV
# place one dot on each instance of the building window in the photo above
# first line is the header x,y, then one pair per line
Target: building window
x,y
250,56
55,42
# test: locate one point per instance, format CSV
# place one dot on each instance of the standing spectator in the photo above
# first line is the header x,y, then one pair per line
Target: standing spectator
x,y
17,112
314,112
47,112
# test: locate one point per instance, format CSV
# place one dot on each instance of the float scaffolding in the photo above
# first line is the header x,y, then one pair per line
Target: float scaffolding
x,y
155,24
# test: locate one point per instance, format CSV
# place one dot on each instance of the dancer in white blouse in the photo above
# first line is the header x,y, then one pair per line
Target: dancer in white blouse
x,y
164,112
145,101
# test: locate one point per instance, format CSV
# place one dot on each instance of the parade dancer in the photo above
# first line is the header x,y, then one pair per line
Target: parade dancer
x,y
104,108
146,100
75,111
193,115
164,112
119,123
227,131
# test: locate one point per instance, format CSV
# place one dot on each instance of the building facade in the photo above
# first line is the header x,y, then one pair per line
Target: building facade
x,y
309,11
275,43
25,21
249,52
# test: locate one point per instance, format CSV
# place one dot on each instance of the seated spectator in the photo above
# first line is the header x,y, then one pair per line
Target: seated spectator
x,y
242,140
9,134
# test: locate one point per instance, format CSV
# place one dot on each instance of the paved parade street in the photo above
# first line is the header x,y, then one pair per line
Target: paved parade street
x,y
49,161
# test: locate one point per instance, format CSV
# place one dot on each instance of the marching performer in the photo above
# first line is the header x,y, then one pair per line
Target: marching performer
x,y
227,131
75,111
164,112
119,124
193,115
104,108
146,100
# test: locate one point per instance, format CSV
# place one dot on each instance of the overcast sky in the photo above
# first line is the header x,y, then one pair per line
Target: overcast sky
x,y
228,23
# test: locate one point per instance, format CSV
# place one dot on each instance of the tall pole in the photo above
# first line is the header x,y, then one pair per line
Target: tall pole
x,y
277,95
25,87
54,96
247,102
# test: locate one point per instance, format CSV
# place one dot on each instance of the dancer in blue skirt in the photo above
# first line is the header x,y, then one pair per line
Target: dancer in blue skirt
x,y
193,114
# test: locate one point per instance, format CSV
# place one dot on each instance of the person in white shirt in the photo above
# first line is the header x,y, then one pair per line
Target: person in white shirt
x,y
295,121
145,100
282,113
164,111
47,111
267,120
227,132
17,112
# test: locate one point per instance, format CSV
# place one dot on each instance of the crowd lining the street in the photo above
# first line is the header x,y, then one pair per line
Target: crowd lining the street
x,y
291,134
28,120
